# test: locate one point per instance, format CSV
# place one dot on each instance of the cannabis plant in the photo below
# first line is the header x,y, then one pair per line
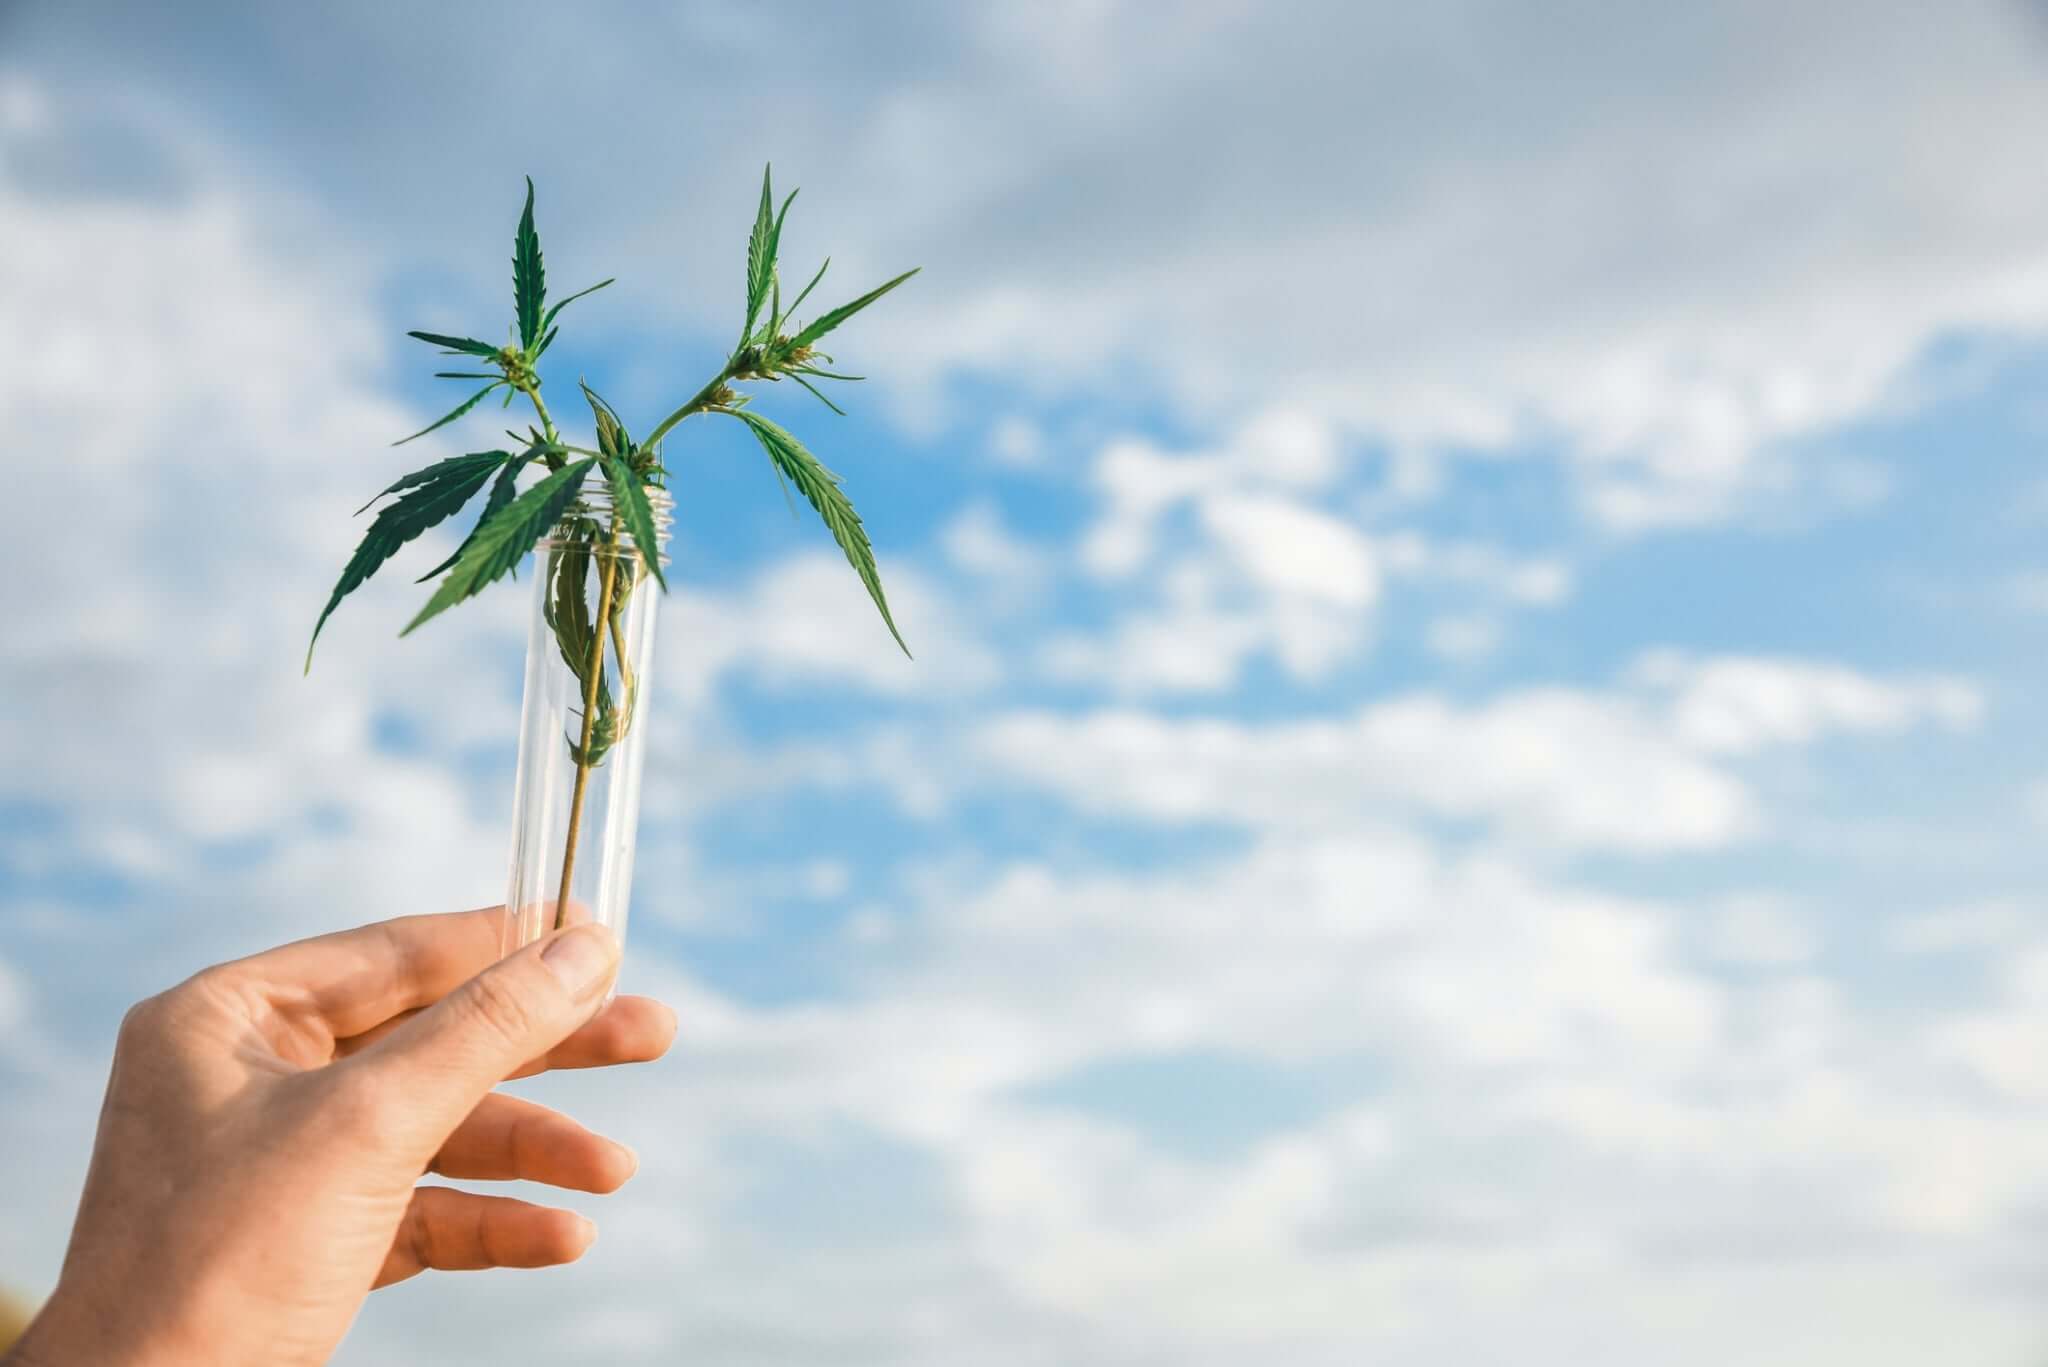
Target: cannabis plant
x,y
585,593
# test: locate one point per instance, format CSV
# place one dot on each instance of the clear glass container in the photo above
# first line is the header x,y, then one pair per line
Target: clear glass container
x,y
586,695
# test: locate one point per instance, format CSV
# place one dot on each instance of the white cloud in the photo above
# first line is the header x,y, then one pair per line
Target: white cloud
x,y
1750,237
1551,766
2002,1042
1662,251
1462,638
1283,451
1735,705
1989,925
1551,1084
1016,441
1227,556
1537,582
978,542
1188,647
807,620
1761,929
1525,1085
1295,552
1640,768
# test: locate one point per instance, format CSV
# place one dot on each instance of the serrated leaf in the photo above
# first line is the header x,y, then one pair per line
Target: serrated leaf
x,y
629,500
774,271
821,488
529,280
577,637
760,257
470,345
547,320
471,402
612,438
502,491
824,323
439,470
775,233
500,544
783,484
545,343
438,493
569,609
605,731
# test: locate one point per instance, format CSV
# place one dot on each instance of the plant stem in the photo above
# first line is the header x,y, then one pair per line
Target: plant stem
x,y
704,398
547,425
625,676
591,682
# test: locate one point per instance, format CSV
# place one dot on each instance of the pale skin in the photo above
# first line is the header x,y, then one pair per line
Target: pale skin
x,y
268,1121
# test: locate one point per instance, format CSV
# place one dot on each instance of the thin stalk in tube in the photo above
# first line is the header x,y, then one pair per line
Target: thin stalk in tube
x,y
592,681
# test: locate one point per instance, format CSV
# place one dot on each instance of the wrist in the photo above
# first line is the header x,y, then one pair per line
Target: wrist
x,y
70,1330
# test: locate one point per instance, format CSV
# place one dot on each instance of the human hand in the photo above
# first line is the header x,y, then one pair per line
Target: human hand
x,y
266,1122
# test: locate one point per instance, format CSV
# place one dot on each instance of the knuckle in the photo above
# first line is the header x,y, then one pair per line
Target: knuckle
x,y
497,1007
144,1021
171,1011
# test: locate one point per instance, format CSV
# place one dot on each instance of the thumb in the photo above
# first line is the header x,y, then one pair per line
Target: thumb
x,y
443,1060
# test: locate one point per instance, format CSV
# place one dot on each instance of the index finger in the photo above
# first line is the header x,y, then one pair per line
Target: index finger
x,y
354,980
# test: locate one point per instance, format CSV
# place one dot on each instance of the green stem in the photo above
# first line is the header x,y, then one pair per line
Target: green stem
x,y
625,676
547,425
592,680
704,399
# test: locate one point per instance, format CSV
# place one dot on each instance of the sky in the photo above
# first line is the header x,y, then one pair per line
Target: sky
x,y
1472,783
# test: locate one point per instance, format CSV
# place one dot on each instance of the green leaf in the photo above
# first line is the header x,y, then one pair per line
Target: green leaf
x,y
548,319
500,543
471,402
604,732
529,281
568,610
760,253
783,485
611,433
774,274
545,343
486,461
798,302
441,491
468,345
821,487
826,322
629,500
817,393
775,234
502,490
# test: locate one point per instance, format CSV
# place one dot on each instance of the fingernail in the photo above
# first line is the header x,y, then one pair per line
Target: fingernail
x,y
581,957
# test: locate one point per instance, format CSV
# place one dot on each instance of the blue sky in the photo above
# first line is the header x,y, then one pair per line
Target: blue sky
x,y
1472,782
